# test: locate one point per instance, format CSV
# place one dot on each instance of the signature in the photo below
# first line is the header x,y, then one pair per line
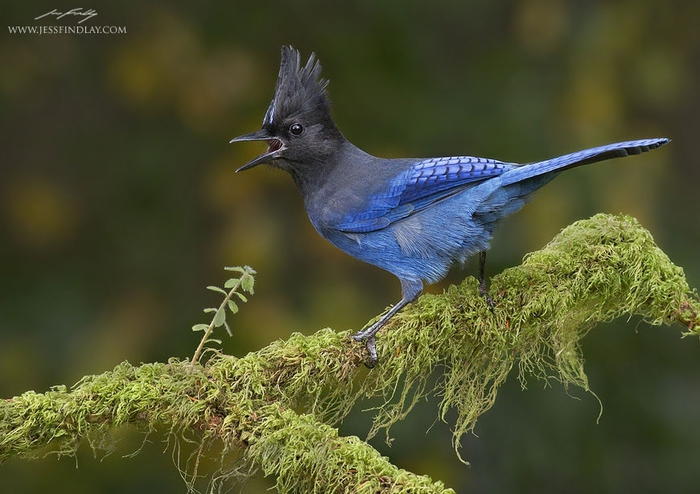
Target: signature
x,y
86,14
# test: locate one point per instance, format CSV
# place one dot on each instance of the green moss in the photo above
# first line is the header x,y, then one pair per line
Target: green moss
x,y
274,409
594,271
324,462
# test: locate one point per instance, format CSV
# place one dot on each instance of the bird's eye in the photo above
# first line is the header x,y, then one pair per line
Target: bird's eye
x,y
296,129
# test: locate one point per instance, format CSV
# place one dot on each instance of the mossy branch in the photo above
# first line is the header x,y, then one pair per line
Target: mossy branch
x,y
274,409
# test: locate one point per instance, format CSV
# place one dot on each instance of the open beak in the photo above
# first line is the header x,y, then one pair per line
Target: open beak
x,y
274,149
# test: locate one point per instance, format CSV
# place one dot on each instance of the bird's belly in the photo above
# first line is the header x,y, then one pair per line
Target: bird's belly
x,y
414,248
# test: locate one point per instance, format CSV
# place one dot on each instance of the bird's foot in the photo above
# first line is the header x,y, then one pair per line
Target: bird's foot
x,y
485,293
370,344
364,334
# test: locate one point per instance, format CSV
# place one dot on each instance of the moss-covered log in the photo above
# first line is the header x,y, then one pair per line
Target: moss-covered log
x,y
276,408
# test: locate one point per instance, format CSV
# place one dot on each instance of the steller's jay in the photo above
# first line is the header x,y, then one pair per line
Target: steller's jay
x,y
413,217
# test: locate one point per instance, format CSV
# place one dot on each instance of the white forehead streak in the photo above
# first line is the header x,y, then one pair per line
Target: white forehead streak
x,y
269,116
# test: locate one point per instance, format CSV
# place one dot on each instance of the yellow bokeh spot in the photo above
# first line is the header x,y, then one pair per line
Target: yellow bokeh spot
x,y
40,213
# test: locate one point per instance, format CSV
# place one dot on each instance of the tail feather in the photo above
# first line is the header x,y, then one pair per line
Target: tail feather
x,y
592,155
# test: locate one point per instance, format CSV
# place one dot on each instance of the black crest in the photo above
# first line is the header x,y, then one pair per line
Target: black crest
x,y
299,89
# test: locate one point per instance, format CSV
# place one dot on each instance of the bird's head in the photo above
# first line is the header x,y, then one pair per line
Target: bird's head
x,y
297,126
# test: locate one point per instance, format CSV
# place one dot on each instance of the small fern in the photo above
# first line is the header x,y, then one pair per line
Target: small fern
x,y
243,283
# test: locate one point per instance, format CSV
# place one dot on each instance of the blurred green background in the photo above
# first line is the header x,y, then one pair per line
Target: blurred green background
x,y
119,204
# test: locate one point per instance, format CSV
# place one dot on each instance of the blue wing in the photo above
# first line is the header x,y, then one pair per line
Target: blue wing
x,y
431,180
424,183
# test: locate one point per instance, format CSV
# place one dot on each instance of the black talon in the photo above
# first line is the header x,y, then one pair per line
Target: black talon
x,y
371,346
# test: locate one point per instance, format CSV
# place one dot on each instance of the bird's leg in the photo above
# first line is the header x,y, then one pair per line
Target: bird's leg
x,y
410,290
482,279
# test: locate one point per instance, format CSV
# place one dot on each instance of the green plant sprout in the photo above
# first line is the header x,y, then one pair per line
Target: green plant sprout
x,y
244,282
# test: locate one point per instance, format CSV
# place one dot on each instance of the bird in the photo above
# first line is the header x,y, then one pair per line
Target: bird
x,y
413,217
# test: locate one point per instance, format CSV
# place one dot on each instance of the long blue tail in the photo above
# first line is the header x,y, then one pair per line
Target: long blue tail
x,y
600,153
